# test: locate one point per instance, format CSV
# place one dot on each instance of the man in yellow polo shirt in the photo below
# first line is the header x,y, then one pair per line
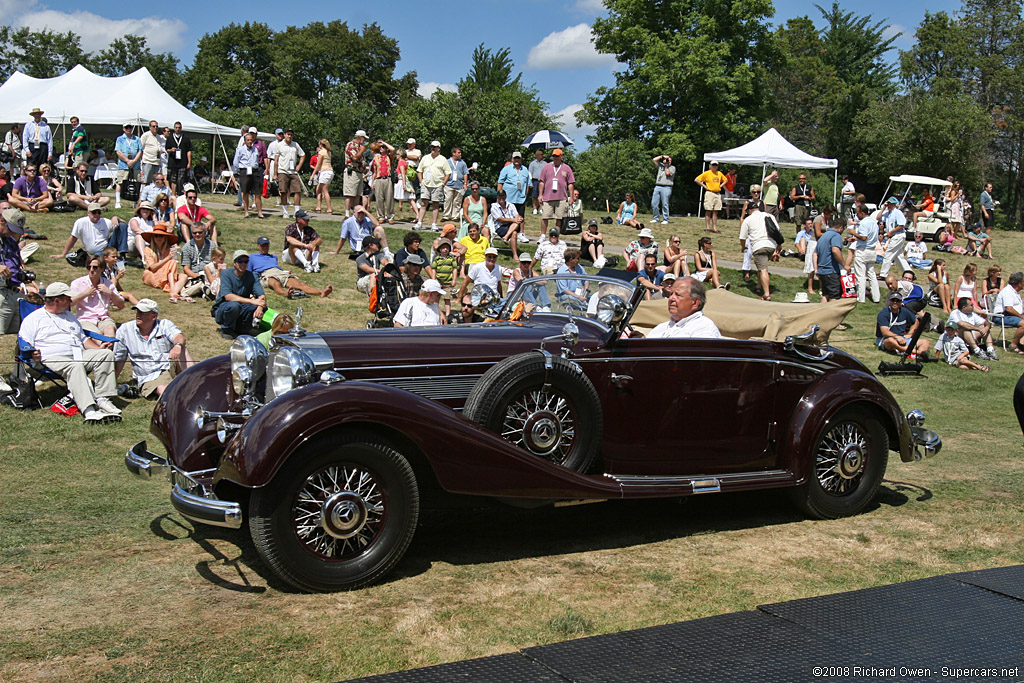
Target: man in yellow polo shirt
x,y
712,182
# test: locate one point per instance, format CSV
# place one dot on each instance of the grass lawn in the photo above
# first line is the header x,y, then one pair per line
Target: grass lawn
x,y
99,579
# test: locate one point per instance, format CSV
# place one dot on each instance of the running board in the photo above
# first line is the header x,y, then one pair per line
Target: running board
x,y
698,484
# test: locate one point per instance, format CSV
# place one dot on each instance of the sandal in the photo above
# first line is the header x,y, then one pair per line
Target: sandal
x,y
984,368
173,299
187,300
1015,349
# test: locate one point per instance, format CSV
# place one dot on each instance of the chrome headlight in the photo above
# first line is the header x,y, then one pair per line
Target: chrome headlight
x,y
290,367
611,308
247,353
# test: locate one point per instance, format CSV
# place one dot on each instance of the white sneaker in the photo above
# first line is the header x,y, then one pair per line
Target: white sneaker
x,y
105,405
419,225
389,256
654,220
5,387
523,239
434,228
308,268
543,309
535,212
316,267
117,205
599,263
347,213
664,222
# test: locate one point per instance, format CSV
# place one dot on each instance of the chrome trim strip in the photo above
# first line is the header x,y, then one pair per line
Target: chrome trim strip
x,y
695,481
358,368
770,361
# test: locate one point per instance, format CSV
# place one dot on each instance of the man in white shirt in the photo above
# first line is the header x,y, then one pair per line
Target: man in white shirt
x,y
761,246
506,223
152,148
486,273
974,329
288,161
686,313
61,345
1009,310
422,310
894,234
154,345
95,231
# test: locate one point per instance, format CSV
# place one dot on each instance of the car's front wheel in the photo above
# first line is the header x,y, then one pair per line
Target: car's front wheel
x,y
337,518
849,462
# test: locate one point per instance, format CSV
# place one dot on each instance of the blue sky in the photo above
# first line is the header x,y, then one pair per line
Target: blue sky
x,y
550,40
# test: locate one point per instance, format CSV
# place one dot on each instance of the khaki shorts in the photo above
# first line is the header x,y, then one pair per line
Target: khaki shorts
x,y
124,174
555,209
762,256
96,325
363,284
352,185
288,183
712,201
432,194
149,388
274,274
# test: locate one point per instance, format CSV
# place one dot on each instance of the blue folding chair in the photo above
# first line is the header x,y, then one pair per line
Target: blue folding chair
x,y
26,368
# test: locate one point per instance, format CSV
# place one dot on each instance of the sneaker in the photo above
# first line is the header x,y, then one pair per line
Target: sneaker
x,y
599,263
5,387
224,334
727,285
991,354
117,205
107,406
308,267
543,309
434,228
535,212
523,239
97,417
654,220
664,222
419,225
316,267
980,353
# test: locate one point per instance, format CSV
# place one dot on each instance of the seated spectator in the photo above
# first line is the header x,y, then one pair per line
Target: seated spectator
x,y
283,324
967,285
705,264
13,277
940,294
667,283
52,182
213,270
550,253
974,329
466,314
912,296
83,190
193,212
369,264
448,232
444,267
894,328
649,277
686,313
144,220
150,192
1009,310
674,260
925,209
302,243
626,215
30,192
113,270
486,273
571,292
473,247
955,350
6,186
241,302
155,346
422,310
180,200
202,172
359,226
411,278
195,256
978,242
636,250
93,295
265,265
992,284
592,244
162,212
161,263
61,345
96,233
915,251
507,224
412,241
537,297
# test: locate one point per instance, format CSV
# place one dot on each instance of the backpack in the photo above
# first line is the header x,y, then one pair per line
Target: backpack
x,y
772,228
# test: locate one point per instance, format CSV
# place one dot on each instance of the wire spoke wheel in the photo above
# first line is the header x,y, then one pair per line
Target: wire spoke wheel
x,y
543,422
841,459
339,511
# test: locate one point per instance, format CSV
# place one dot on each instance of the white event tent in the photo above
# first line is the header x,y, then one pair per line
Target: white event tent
x,y
772,150
103,104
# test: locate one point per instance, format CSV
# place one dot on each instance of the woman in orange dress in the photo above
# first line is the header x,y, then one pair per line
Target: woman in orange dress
x,y
161,258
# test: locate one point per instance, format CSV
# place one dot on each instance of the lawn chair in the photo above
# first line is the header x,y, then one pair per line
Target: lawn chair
x,y
26,369
224,182
990,306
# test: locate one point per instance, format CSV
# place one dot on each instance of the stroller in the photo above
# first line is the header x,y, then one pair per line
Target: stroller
x,y
385,297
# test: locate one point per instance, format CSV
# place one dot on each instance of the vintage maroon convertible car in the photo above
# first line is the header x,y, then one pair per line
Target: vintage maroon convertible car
x,y
331,443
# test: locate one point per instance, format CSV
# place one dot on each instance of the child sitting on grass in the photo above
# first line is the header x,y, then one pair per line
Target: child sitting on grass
x,y
213,269
955,349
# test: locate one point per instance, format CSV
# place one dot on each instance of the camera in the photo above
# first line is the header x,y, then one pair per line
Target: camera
x,y
28,276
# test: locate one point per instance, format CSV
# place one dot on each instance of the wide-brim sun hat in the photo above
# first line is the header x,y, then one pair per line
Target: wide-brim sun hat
x,y
159,230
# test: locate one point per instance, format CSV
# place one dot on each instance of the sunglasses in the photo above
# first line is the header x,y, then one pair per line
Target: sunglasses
x,y
96,212
675,241
95,267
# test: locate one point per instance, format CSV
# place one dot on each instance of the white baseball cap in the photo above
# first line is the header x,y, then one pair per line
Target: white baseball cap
x,y
435,143
490,251
411,141
431,286
525,257
147,305
55,289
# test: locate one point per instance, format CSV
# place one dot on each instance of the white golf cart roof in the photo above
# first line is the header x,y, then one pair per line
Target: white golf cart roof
x,y
919,180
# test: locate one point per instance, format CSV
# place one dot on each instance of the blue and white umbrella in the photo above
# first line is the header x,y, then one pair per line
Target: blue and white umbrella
x,y
547,139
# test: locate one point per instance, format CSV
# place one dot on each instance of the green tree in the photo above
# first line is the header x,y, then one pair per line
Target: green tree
x,y
606,172
693,76
233,69
491,71
40,54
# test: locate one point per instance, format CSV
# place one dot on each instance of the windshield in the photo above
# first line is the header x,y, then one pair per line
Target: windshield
x,y
605,299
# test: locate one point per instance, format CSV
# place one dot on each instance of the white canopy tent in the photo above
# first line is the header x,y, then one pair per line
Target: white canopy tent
x,y
103,104
772,149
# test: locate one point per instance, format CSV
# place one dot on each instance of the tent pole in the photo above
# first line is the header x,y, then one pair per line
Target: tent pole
x,y
835,185
213,159
700,192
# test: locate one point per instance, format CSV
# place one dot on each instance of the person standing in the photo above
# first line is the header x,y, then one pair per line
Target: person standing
x,y
536,167
37,139
988,207
712,180
895,236
151,150
864,239
383,188
802,196
79,144
179,159
556,184
433,172
662,188
763,248
355,169
323,172
14,146
514,180
830,259
770,194
847,197
288,161
129,153
456,185
250,177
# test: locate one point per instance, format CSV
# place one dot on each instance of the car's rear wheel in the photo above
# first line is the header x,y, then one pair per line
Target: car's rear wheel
x,y
554,414
849,461
337,518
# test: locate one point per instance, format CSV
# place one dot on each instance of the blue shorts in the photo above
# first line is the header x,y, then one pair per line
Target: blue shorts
x,y
501,228
880,342
1007,320
534,187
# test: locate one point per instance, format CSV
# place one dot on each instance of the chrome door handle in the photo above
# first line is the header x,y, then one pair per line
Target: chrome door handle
x,y
620,380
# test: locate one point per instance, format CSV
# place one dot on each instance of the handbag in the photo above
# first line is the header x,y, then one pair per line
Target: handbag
x,y
77,258
572,225
130,190
23,394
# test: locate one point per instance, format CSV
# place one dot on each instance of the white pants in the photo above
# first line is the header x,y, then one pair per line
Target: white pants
x,y
864,270
300,257
27,249
748,254
894,252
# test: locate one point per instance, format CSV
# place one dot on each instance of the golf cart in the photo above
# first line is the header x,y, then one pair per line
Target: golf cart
x,y
929,227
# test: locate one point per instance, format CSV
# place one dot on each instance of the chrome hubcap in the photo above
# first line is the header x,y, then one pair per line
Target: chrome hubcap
x,y
841,459
339,511
542,422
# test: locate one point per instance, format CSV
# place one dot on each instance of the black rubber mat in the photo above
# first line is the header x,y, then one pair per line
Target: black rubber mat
x,y
1005,580
510,668
744,646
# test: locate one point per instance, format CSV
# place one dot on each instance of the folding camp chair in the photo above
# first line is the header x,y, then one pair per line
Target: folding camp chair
x,y
990,305
224,182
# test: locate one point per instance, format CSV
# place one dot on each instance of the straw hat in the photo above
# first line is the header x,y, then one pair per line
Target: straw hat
x,y
144,205
160,230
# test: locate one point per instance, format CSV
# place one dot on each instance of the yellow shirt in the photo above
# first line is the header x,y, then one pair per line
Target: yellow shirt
x,y
474,250
434,170
713,179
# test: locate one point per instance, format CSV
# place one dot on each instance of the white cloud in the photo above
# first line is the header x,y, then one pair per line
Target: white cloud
x,y
589,6
570,48
162,34
905,41
427,89
567,117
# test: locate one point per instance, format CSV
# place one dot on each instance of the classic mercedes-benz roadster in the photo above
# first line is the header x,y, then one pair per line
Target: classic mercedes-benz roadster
x,y
331,442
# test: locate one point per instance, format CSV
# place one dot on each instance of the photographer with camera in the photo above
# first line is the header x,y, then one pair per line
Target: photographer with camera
x,y
14,279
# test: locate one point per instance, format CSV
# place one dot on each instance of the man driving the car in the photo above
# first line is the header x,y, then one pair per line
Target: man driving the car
x,y
686,315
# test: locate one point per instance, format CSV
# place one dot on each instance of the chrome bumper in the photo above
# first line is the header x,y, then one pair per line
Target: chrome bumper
x,y
926,442
191,499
